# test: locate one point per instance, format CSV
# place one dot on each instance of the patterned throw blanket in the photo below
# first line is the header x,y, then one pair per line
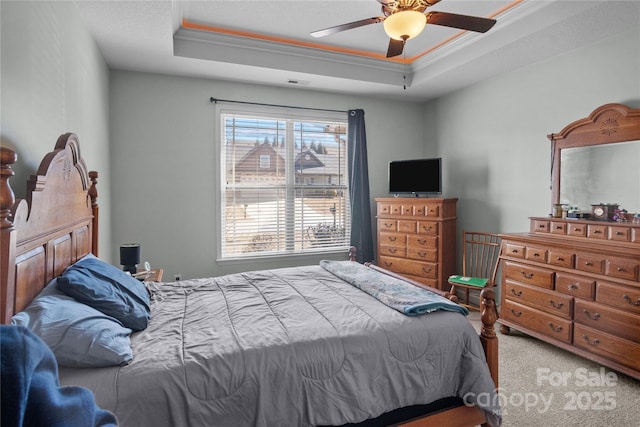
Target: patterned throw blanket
x,y
395,293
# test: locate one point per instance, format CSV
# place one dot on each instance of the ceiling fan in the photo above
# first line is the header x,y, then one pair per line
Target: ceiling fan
x,y
405,19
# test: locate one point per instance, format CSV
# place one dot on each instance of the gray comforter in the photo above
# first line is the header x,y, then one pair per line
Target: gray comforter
x,y
287,347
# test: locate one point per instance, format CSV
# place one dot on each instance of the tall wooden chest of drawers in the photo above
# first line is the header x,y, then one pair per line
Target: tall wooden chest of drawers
x,y
576,284
417,238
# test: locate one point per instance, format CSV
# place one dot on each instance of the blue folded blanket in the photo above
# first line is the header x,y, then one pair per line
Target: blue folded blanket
x,y
395,293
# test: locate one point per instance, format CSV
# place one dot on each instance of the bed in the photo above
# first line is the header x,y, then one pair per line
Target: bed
x,y
291,346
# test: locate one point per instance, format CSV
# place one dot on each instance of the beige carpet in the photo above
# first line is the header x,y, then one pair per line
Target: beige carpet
x,y
542,385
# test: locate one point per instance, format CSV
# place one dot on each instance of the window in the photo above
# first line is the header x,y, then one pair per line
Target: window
x,y
284,184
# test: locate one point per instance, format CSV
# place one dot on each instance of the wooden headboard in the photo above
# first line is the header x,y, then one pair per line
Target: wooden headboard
x,y
52,228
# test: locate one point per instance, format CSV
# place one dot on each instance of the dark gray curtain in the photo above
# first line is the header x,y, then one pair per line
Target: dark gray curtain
x,y
361,230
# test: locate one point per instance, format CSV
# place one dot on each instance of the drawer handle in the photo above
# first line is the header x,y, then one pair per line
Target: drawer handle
x,y
427,270
619,233
620,269
425,228
422,254
560,259
541,226
595,316
422,241
593,342
553,304
388,224
516,313
573,286
525,275
597,231
393,250
536,254
388,264
514,251
558,227
630,300
392,238
588,263
577,230
555,328
516,293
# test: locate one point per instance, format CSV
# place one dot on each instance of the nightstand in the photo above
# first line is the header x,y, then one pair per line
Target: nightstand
x,y
153,275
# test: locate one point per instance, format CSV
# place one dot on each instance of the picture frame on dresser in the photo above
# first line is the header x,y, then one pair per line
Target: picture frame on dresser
x,y
575,282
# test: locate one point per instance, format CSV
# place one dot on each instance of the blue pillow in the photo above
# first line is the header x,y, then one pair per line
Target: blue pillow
x,y
106,288
78,335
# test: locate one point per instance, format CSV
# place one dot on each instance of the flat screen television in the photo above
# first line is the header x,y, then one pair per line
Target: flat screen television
x,y
417,177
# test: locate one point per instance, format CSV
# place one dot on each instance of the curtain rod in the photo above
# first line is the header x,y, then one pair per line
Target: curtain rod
x,y
215,100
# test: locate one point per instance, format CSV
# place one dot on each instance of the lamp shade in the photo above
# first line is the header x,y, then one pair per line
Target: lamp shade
x,y
405,24
130,256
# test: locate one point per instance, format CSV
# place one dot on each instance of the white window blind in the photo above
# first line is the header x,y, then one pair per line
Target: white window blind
x,y
284,184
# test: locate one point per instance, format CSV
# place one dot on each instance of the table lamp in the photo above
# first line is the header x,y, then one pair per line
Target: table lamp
x,y
130,257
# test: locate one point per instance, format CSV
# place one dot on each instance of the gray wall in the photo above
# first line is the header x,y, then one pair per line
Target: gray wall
x,y
493,134
163,161
53,81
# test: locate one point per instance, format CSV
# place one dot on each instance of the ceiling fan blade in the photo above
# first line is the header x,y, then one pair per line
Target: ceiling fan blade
x,y
349,26
395,47
463,22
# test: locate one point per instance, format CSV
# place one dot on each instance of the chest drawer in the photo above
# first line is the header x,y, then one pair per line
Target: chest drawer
x,y
432,211
427,227
619,234
399,251
577,230
387,225
558,227
576,286
622,268
421,241
512,250
540,226
529,275
393,239
407,266
537,320
422,254
596,231
533,253
615,322
407,226
610,346
560,258
590,263
548,301
623,297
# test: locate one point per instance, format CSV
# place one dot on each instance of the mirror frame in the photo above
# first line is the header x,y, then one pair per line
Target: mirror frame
x,y
607,124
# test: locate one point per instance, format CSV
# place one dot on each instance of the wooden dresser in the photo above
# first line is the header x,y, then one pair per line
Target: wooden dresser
x,y
417,238
576,284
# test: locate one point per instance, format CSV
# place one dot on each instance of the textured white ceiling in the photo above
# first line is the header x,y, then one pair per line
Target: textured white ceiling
x,y
139,36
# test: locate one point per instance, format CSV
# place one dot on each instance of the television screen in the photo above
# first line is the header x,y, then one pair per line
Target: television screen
x,y
419,176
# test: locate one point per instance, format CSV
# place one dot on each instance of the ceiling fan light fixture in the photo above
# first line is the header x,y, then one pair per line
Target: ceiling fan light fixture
x,y
404,25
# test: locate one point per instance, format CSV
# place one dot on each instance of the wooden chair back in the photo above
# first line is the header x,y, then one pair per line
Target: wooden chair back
x,y
480,255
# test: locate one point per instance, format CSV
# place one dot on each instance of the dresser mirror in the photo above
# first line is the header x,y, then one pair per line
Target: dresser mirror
x,y
597,160
601,174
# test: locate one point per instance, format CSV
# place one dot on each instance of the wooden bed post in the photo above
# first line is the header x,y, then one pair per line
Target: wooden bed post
x,y
488,336
93,193
7,235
